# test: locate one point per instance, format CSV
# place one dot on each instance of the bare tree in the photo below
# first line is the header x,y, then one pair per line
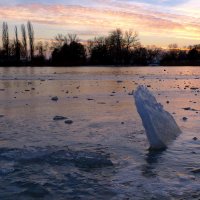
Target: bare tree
x,y
17,44
5,38
131,40
116,39
31,39
24,42
97,42
40,49
46,49
59,41
73,38
115,44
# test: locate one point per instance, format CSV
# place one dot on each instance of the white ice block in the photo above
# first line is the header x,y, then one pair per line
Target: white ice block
x,y
160,126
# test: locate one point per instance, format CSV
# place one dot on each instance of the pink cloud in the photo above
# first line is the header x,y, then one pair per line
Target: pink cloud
x,y
101,20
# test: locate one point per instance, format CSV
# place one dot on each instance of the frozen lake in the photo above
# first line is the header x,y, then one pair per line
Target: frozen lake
x,y
104,153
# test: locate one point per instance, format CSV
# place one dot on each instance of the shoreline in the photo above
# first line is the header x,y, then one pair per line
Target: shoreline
x,y
97,66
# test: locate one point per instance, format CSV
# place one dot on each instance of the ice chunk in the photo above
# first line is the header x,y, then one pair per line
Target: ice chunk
x,y
160,126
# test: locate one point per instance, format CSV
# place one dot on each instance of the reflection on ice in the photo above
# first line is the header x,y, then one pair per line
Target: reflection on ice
x,y
152,158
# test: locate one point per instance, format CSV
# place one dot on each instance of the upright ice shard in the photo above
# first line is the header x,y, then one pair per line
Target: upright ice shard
x,y
160,126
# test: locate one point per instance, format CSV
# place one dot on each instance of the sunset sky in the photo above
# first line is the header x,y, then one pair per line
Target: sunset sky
x,y
158,22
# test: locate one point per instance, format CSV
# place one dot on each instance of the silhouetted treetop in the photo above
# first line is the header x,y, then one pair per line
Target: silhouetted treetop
x,y
31,39
117,48
68,51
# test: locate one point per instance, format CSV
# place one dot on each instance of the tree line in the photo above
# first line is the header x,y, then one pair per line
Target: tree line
x,y
16,52
118,48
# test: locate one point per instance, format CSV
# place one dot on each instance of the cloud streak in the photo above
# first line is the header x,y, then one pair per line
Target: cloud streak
x,y
99,20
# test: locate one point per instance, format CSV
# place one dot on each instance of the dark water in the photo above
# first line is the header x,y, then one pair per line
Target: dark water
x,y
104,153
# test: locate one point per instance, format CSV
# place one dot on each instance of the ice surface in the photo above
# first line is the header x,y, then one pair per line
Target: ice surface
x,y
160,126
35,160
